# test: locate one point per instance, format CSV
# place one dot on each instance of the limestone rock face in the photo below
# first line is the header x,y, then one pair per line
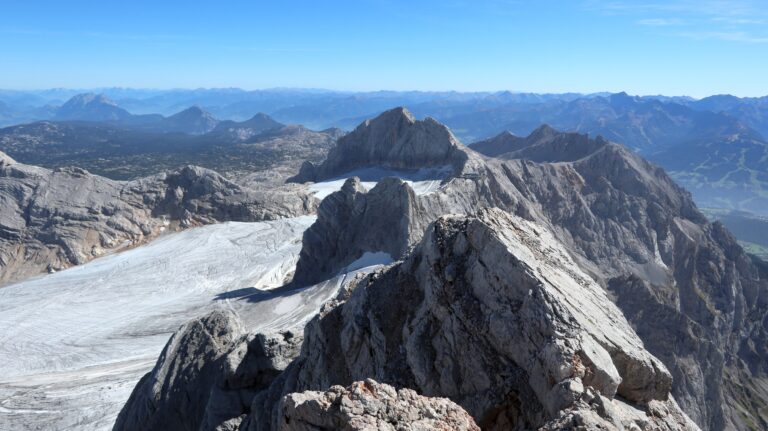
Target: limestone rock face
x,y
189,361
369,406
53,219
596,295
622,218
206,376
394,139
491,312
353,221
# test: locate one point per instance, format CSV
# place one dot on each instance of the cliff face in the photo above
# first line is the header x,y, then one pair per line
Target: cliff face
x,y
508,312
53,219
394,139
489,311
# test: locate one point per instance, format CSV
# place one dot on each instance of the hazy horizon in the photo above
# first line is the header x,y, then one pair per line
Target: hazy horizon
x,y
100,90
680,47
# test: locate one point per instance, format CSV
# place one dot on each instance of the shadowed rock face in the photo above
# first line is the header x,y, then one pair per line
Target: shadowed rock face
x,y
209,370
620,217
486,299
354,221
490,311
51,220
394,139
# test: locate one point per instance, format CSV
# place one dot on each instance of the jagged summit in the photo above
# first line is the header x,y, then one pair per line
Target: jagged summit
x,y
391,116
395,139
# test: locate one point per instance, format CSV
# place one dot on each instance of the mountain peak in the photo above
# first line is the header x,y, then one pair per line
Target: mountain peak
x,y
544,144
88,99
394,139
193,120
392,116
544,131
91,107
193,110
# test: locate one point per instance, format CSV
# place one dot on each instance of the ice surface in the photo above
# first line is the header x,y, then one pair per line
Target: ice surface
x,y
73,344
423,181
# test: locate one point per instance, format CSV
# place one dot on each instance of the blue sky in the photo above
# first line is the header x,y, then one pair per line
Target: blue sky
x,y
674,47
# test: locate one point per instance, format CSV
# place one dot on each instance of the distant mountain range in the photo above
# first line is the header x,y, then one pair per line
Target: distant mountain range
x,y
92,132
715,147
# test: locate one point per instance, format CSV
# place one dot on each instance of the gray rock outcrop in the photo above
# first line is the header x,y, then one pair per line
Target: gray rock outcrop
x,y
460,316
619,216
353,221
207,375
394,139
491,312
53,219
369,406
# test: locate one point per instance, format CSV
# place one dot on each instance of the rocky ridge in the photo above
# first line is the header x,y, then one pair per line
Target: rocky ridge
x,y
488,310
690,301
53,219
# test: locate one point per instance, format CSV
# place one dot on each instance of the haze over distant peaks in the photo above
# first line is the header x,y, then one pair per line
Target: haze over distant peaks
x,y
91,107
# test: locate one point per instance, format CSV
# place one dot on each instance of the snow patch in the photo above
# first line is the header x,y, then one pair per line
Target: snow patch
x,y
423,181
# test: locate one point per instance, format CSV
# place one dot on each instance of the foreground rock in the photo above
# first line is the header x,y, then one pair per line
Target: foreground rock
x,y
489,311
53,219
628,225
368,405
207,375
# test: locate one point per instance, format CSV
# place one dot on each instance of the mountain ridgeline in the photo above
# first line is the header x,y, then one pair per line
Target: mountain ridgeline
x,y
96,135
713,146
558,282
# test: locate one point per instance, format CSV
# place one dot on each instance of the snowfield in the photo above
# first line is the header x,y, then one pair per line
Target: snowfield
x,y
74,343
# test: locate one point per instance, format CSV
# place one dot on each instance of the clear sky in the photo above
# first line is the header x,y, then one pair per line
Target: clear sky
x,y
673,47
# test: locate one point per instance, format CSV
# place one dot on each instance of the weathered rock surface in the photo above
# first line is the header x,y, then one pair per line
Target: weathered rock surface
x,y
619,216
394,139
368,405
354,221
53,219
207,375
520,331
491,312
